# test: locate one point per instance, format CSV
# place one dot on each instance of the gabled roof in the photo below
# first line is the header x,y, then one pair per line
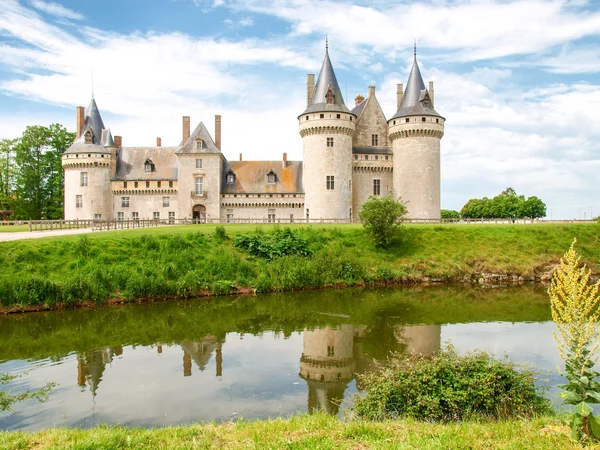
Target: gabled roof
x,y
208,145
416,100
358,109
131,162
251,177
326,81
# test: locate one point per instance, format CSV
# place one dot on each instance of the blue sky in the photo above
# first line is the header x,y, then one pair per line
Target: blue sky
x,y
518,81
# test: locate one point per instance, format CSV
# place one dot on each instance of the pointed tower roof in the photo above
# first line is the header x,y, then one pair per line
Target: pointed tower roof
x,y
326,81
102,137
94,119
416,100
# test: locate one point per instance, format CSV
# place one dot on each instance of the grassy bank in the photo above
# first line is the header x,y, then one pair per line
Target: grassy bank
x,y
191,260
311,432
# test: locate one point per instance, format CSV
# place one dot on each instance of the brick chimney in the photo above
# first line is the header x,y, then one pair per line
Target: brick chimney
x,y
399,95
186,128
284,160
218,131
118,141
310,87
240,156
158,142
80,120
359,99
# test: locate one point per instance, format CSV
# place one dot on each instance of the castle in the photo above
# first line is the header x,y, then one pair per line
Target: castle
x,y
348,156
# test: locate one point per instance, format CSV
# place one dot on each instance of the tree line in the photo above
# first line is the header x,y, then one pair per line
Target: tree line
x,y
506,205
31,174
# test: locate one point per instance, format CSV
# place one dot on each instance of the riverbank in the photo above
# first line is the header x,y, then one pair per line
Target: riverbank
x,y
186,261
315,431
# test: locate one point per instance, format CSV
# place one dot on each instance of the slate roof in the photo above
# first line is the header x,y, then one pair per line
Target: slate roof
x,y
415,101
200,132
372,150
101,137
251,177
325,81
131,162
358,109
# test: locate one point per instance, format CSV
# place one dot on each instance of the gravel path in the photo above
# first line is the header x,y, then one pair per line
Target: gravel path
x,y
16,236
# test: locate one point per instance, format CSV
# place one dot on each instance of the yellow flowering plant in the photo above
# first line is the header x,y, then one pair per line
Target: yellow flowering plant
x,y
575,310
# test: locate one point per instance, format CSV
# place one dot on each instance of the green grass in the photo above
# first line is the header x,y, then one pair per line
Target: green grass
x,y
13,228
309,432
183,261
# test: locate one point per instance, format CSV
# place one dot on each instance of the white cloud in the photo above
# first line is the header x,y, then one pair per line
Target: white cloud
x,y
56,9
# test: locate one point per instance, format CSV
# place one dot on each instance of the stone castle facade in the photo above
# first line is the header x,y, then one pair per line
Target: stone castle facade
x,y
348,156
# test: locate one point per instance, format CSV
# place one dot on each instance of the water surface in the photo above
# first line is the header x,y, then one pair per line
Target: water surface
x,y
170,363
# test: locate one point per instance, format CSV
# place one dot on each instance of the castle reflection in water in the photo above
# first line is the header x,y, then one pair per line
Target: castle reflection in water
x,y
332,357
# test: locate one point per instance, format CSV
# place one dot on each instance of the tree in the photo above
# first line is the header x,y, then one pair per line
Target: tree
x,y
449,214
382,218
7,177
508,204
40,177
534,208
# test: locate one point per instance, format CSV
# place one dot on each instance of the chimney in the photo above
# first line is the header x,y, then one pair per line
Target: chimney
x,y
218,131
118,141
158,142
240,156
399,95
371,91
359,99
186,128
431,92
310,87
80,120
284,160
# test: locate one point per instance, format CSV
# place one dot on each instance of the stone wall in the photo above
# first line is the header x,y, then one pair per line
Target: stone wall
x,y
96,196
363,174
371,121
145,203
211,173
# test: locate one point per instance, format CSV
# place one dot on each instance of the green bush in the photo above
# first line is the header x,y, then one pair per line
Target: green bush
x,y
280,242
381,218
449,387
220,233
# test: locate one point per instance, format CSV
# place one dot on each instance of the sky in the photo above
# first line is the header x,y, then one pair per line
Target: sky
x,y
517,81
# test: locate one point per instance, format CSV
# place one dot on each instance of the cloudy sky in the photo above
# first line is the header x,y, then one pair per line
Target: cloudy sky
x,y
518,81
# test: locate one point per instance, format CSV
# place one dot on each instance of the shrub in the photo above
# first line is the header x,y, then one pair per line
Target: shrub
x,y
278,243
381,218
220,233
449,387
575,310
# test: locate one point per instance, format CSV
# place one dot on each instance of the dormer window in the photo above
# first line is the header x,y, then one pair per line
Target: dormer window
x,y
199,144
271,177
149,166
88,137
330,97
230,177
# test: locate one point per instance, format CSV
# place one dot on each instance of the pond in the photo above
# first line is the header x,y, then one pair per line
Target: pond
x,y
178,362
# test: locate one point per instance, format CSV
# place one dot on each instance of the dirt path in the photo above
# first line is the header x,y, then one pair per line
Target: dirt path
x,y
16,236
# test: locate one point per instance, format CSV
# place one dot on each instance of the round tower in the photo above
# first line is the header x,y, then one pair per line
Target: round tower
x,y
327,127
415,132
89,166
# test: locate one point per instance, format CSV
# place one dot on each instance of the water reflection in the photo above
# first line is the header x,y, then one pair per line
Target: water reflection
x,y
175,363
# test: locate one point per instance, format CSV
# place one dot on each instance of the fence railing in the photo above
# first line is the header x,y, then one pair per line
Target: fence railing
x,y
124,224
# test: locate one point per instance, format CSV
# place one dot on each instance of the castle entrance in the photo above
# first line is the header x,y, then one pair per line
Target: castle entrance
x,y
199,214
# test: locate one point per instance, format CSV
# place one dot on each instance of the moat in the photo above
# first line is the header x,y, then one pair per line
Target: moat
x,y
272,355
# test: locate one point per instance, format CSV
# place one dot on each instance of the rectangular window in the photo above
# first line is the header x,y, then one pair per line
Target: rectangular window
x,y
339,116
386,157
171,217
271,215
158,184
124,202
135,184
170,184
166,202
329,142
198,164
79,201
230,216
156,215
135,215
330,182
376,187
97,216
124,184
199,144
355,156
199,186
120,216
84,178
147,185
376,157
291,218
374,140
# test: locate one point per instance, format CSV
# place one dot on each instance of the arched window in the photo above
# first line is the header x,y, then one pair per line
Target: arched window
x,y
230,177
88,137
149,166
330,97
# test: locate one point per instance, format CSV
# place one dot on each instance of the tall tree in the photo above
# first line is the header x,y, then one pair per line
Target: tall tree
x,y
508,204
40,178
7,177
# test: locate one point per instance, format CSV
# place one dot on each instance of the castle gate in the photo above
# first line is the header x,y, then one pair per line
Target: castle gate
x,y
199,214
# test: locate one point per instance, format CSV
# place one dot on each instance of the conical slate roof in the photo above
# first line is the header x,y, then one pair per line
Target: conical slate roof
x,y
94,119
326,81
102,138
416,100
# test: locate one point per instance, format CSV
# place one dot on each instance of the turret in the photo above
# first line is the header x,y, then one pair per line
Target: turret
x,y
415,132
327,127
89,164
